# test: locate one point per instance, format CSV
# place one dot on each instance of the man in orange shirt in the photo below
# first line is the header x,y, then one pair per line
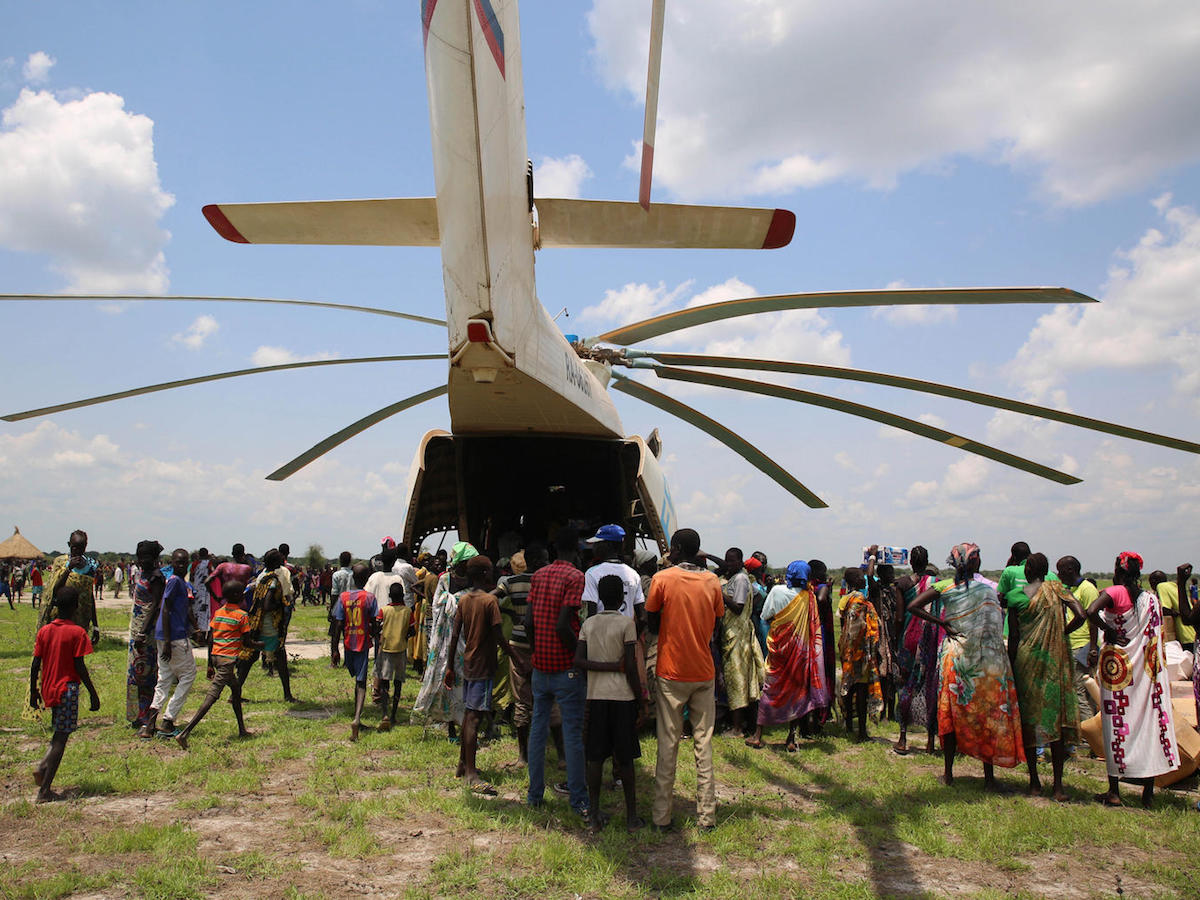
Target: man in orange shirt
x,y
683,606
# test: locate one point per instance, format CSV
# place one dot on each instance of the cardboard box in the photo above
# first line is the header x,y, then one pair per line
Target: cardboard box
x,y
1186,736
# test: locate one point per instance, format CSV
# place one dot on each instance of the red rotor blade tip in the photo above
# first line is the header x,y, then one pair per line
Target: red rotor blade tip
x,y
222,225
783,226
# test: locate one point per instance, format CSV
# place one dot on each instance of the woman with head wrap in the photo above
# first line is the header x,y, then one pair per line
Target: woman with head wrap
x,y
1044,669
435,701
978,713
740,654
1139,734
796,684
859,649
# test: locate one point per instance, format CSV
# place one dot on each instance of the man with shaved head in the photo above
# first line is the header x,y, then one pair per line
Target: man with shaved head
x,y
683,606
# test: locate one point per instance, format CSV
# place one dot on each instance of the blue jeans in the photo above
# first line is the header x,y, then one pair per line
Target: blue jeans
x,y
569,688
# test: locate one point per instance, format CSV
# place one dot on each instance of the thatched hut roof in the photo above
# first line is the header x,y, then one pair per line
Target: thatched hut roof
x,y
18,547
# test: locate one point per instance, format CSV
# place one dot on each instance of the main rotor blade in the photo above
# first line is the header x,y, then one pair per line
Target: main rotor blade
x,y
184,382
657,15
729,309
735,442
925,387
320,449
181,298
866,412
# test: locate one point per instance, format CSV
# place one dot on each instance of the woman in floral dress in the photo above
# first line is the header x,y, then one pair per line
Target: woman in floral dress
x,y
978,713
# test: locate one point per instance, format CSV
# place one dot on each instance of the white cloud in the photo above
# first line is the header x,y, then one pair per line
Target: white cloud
x,y
1146,320
267,355
37,67
560,177
52,473
79,183
775,95
633,302
197,333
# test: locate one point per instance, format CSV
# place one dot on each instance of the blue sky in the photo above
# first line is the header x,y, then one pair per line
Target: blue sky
x,y
918,147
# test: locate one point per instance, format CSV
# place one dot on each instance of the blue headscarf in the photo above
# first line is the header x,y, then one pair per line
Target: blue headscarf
x,y
797,573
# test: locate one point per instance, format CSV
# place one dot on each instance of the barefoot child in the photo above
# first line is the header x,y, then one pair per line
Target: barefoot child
x,y
615,705
392,656
354,614
58,653
479,624
228,634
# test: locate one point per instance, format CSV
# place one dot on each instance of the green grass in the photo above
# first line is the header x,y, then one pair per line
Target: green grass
x,y
835,820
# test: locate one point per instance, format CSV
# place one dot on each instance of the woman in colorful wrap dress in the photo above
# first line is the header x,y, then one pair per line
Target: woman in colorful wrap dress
x,y
1044,669
142,676
796,684
1135,695
740,654
435,702
978,712
859,649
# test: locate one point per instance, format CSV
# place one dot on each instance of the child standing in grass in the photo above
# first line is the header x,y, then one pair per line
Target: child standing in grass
x,y
392,656
354,615
58,653
615,706
228,634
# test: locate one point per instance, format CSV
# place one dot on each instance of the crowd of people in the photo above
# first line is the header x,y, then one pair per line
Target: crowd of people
x,y
582,643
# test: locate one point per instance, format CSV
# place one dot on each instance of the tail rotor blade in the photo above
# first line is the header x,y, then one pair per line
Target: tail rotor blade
x,y
320,449
730,309
657,15
184,382
734,442
180,298
867,412
924,387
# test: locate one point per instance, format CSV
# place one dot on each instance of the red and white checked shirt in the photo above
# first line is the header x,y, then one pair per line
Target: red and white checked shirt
x,y
551,588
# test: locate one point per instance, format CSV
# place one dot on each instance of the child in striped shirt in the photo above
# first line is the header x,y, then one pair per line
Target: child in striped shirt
x,y
228,633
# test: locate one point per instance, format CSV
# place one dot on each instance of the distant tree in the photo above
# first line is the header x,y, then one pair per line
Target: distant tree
x,y
315,558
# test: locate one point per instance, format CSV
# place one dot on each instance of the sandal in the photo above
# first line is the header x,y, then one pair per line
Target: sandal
x,y
1107,799
790,747
754,744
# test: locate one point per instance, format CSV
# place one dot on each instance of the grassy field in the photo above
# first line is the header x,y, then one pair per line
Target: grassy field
x,y
298,811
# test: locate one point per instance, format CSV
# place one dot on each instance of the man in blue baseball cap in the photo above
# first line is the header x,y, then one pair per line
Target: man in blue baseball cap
x,y
607,545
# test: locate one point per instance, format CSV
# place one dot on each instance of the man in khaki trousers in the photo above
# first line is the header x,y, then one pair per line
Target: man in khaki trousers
x,y
683,605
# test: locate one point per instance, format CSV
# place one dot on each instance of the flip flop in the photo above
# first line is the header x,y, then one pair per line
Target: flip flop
x,y
1106,799
901,751
50,797
791,747
753,744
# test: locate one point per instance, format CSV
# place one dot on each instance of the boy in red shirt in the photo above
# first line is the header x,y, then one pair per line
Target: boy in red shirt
x,y
228,633
58,653
354,617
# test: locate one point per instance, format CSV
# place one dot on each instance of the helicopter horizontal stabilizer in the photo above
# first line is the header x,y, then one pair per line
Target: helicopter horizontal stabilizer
x,y
608,223
389,222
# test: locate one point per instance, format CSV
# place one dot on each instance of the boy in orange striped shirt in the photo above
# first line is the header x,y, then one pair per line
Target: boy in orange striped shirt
x,y
228,633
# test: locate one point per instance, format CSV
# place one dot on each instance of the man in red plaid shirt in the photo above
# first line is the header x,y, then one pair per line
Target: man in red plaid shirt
x,y
552,624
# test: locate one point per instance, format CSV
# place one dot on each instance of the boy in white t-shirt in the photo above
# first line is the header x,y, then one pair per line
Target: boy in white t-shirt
x,y
615,705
